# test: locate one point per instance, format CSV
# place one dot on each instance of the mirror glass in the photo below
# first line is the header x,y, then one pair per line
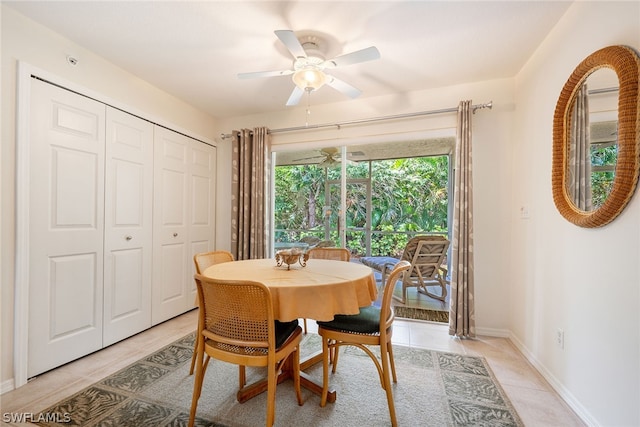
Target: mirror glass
x,y
593,140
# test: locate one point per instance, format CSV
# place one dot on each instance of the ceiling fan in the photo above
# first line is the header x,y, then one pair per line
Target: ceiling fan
x,y
309,65
330,156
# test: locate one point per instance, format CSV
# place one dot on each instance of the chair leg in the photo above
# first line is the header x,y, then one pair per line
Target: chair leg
x,y
305,325
197,386
391,361
242,376
272,380
334,355
296,375
387,386
193,357
325,371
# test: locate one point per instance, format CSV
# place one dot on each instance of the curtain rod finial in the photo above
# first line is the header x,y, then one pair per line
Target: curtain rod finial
x,y
488,105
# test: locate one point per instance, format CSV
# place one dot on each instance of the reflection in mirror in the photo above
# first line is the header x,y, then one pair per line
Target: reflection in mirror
x,y
592,146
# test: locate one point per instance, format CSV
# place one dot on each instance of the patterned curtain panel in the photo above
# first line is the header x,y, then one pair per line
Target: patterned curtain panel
x,y
579,168
462,320
249,182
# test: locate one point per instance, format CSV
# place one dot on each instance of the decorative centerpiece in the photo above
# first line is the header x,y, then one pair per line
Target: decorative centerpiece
x,y
290,257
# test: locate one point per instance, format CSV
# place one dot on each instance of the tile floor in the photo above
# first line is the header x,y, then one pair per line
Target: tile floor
x,y
535,401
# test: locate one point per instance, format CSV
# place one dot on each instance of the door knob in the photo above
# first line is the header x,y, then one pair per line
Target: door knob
x,y
128,238
175,234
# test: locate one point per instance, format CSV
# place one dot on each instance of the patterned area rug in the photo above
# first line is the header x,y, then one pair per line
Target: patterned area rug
x,y
433,389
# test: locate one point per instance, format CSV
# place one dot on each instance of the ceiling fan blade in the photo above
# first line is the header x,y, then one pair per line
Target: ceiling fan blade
x,y
289,39
363,55
307,158
343,87
257,74
295,97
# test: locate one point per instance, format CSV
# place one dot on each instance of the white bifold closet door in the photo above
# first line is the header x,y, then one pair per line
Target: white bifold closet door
x,y
184,209
66,211
90,235
118,206
128,244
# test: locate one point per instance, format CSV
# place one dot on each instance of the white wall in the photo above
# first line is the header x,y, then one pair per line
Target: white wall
x,y
24,40
583,281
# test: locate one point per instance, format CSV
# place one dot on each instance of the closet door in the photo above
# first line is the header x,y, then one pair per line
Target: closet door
x,y
183,218
67,143
128,225
202,226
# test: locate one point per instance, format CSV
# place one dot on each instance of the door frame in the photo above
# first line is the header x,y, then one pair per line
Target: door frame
x,y
343,230
25,72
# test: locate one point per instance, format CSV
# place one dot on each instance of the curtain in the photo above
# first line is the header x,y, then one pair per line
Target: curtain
x,y
462,321
579,167
250,184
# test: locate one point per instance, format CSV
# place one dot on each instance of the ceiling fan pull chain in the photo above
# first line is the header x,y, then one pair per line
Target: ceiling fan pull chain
x,y
308,108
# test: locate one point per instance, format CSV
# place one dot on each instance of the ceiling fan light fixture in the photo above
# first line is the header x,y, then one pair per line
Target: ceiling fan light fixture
x,y
309,78
327,163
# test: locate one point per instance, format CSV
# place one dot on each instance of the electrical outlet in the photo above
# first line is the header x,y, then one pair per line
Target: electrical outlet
x,y
560,338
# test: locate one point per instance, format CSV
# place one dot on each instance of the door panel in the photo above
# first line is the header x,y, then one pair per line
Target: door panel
x,y
202,227
171,210
66,225
184,210
128,225
69,276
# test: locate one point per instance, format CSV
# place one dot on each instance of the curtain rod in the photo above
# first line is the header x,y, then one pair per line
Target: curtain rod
x,y
338,125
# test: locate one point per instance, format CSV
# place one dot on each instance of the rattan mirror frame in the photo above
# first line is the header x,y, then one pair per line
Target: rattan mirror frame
x,y
625,62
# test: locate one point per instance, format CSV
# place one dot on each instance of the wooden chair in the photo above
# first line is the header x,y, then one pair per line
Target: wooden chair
x,y
207,259
202,261
237,325
372,326
427,255
338,254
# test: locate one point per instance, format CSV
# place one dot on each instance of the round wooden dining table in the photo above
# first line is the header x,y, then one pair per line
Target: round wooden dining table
x,y
319,290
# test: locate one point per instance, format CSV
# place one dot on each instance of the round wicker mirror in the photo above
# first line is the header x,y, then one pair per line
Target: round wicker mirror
x,y
626,63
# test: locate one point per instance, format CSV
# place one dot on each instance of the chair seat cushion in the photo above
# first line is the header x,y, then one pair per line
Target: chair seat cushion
x,y
365,322
284,331
379,262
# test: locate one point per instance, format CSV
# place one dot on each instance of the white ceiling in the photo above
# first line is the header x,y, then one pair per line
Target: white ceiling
x,y
194,50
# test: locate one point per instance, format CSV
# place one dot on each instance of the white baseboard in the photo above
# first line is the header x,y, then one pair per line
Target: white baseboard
x,y
7,386
559,388
492,332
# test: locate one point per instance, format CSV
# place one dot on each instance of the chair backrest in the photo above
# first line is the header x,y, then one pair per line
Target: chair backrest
x,y
207,259
237,315
426,254
386,311
339,254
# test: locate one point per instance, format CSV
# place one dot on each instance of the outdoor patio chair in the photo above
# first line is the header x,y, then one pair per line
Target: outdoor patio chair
x,y
427,255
